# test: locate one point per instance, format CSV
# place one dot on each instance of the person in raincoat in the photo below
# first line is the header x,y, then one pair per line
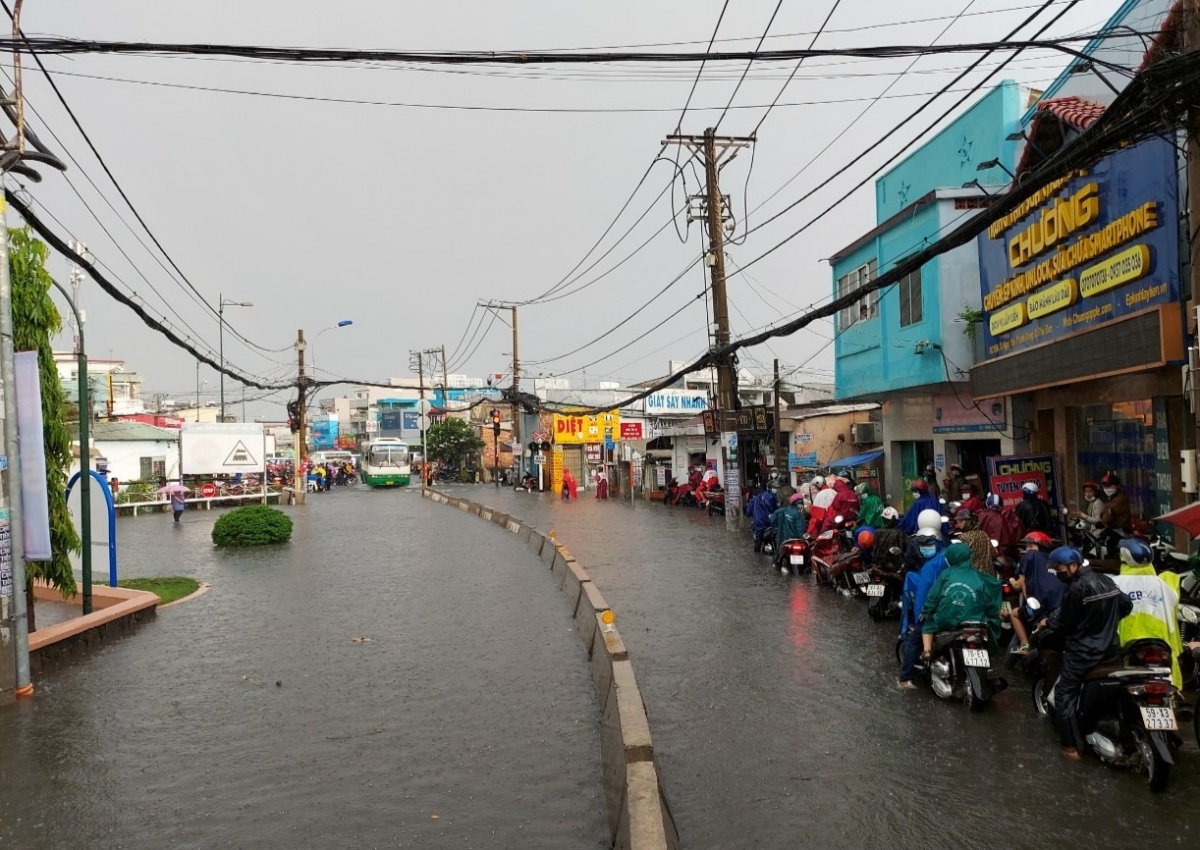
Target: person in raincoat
x,y
1155,602
923,501
961,594
788,522
762,505
570,487
870,508
917,585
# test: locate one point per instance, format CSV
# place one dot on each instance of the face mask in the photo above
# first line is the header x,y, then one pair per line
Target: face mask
x,y
1091,497
1110,491
928,551
966,497
1064,576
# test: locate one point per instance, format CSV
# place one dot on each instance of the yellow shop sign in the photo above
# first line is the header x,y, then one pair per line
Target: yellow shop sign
x,y
1053,298
1118,270
1008,319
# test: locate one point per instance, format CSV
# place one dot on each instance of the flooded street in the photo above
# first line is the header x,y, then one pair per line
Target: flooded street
x,y
775,713
250,717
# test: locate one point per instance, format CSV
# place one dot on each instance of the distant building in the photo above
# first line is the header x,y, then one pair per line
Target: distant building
x,y
113,390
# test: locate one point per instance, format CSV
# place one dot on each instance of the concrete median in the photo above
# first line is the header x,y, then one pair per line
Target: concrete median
x,y
638,815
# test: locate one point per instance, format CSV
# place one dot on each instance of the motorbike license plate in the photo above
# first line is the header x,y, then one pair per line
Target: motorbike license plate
x,y
976,658
862,578
797,559
1159,718
874,590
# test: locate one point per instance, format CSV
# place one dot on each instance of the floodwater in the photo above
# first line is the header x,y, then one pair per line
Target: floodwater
x,y
777,722
251,718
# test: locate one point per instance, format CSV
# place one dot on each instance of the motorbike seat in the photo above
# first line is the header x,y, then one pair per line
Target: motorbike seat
x,y
1101,671
942,640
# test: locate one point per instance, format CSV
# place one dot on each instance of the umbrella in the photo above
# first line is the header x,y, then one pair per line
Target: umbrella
x,y
174,488
1187,518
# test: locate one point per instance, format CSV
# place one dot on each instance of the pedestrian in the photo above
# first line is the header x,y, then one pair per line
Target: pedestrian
x,y
177,504
601,484
570,487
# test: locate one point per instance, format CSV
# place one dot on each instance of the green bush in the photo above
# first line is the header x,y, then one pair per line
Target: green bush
x,y
253,525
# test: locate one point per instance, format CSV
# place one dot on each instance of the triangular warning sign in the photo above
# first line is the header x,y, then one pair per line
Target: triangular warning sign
x,y
240,456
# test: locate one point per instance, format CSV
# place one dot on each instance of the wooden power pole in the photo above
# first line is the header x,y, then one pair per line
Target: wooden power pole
x,y
712,149
300,451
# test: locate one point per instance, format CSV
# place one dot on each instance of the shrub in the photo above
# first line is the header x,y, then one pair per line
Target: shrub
x,y
253,525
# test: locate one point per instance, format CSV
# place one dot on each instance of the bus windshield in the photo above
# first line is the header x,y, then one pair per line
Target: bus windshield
x,y
388,456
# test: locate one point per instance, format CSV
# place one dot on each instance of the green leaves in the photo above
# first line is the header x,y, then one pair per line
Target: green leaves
x,y
35,322
452,441
253,525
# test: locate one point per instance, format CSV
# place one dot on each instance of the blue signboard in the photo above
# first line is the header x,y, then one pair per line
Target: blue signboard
x,y
470,394
1083,251
390,420
324,433
807,460
410,418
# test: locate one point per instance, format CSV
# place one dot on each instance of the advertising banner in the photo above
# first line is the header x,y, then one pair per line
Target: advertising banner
x,y
593,453
409,420
35,498
222,448
1096,246
960,414
676,403
631,430
580,430
1007,474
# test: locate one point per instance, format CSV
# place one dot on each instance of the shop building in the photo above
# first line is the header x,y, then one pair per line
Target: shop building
x,y
910,346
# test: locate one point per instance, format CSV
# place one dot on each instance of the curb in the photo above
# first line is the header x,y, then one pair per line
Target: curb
x,y
204,588
639,817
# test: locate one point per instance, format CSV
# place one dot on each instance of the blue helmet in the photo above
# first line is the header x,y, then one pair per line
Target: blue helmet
x,y
1064,555
1136,553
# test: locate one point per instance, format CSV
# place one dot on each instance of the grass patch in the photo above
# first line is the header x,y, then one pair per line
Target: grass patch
x,y
168,589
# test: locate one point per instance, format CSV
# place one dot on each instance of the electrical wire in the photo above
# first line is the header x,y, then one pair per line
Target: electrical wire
x,y
795,70
742,79
56,242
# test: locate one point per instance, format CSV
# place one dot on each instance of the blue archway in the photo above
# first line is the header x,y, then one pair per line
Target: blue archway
x,y
97,478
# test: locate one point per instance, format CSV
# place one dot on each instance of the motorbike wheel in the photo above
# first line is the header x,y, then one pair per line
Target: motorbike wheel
x,y
1152,765
875,609
974,703
1039,698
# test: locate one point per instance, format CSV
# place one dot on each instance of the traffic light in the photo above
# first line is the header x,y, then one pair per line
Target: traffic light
x,y
495,422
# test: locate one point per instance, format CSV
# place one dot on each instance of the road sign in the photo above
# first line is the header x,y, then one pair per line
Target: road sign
x,y
423,422
424,406
209,490
539,459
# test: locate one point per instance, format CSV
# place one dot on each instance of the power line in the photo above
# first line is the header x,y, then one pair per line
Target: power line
x,y
792,76
742,79
56,242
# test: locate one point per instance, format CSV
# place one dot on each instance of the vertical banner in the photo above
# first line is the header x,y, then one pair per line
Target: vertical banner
x,y
35,499
6,562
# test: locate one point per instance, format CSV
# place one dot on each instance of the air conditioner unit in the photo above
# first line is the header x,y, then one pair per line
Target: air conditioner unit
x,y
864,433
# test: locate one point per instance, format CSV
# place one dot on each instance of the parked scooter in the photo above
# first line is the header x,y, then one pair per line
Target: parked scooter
x,y
795,557
1126,711
885,591
960,666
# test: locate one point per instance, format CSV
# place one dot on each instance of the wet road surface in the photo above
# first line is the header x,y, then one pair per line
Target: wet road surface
x,y
777,721
249,718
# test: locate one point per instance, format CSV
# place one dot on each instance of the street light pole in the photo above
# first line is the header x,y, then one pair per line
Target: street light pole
x,y
313,347
221,335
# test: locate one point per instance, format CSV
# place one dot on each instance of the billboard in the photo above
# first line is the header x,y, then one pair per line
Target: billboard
x,y
1087,249
580,430
676,403
325,433
1007,474
222,448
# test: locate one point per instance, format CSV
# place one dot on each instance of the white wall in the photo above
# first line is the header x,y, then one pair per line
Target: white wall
x,y
124,457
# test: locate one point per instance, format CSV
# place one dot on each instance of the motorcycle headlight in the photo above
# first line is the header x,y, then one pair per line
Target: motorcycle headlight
x,y
1189,614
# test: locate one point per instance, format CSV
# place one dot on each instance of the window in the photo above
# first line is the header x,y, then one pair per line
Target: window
x,y
868,308
910,299
152,468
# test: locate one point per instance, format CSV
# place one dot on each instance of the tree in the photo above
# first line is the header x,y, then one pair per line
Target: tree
x,y
452,440
35,322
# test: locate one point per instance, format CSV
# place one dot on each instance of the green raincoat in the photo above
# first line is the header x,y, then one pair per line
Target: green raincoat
x,y
870,508
962,594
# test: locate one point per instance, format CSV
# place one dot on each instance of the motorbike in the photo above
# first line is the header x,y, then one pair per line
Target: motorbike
x,y
1084,537
1166,557
714,501
885,591
795,556
960,666
764,541
1127,711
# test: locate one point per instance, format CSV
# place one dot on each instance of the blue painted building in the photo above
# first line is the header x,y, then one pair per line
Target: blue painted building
x,y
906,346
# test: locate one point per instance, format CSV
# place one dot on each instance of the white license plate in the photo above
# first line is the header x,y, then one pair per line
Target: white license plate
x,y
875,590
797,559
1159,718
976,658
862,578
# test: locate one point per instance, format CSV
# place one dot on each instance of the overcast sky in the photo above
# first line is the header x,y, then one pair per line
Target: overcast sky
x,y
401,218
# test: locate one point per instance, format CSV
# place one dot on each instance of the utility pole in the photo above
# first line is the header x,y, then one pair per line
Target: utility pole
x,y
712,149
422,416
781,460
516,391
300,451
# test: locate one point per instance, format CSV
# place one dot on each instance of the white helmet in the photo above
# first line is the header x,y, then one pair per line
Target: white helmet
x,y
891,513
931,520
817,481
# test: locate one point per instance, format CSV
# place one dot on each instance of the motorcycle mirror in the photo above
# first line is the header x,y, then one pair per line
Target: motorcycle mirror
x,y
839,519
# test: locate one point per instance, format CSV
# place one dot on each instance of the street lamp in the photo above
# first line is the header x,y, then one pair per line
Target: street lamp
x,y
995,163
313,345
221,318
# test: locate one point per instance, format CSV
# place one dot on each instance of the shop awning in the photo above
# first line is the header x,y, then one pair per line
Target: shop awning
x,y
858,460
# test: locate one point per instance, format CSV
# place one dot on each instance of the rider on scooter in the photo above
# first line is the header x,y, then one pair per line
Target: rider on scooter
x,y
1087,621
916,588
789,524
